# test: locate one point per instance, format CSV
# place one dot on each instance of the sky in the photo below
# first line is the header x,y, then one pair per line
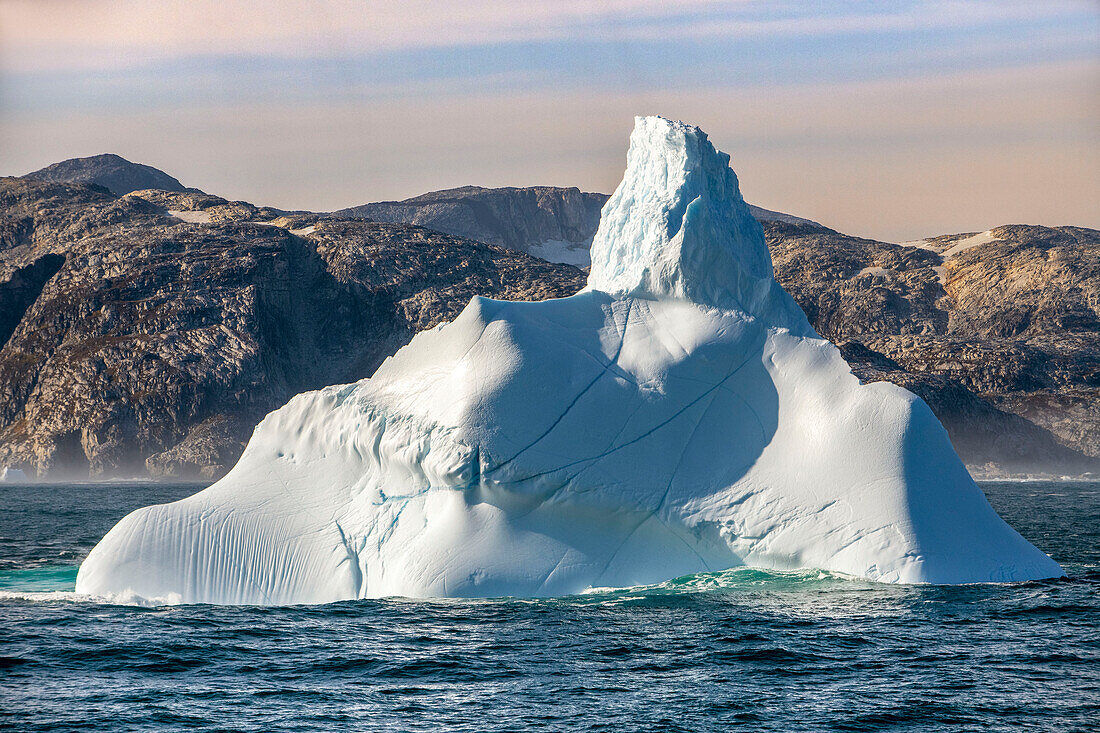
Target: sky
x,y
893,120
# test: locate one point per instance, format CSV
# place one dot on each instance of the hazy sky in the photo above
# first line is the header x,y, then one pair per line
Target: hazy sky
x,y
895,120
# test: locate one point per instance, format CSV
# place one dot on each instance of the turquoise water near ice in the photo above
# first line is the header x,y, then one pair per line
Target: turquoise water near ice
x,y
742,649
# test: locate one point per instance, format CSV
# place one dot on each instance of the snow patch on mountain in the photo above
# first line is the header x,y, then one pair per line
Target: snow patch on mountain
x,y
969,243
192,217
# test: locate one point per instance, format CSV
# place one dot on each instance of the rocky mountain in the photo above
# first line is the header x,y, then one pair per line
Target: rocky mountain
x,y
555,224
113,172
148,332
141,341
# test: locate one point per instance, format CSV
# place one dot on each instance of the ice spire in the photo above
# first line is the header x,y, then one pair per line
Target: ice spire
x,y
677,226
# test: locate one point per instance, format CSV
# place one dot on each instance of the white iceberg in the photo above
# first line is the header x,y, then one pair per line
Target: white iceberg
x,y
12,475
679,415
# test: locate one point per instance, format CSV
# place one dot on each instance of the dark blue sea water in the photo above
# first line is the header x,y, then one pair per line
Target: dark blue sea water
x,y
743,649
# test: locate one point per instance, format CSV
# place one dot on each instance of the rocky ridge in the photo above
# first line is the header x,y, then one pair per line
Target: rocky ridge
x,y
112,172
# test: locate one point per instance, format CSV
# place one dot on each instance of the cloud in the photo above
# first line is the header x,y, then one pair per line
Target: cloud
x,y
612,67
90,34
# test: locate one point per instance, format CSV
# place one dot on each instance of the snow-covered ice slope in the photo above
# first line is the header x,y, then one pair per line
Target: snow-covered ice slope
x,y
679,415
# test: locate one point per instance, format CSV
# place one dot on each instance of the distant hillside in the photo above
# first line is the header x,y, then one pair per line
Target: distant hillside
x,y
113,172
555,224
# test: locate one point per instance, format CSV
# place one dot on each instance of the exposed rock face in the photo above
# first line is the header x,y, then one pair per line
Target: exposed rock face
x,y
556,224
113,172
997,331
137,341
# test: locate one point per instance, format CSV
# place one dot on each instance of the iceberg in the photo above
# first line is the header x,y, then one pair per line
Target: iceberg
x,y
679,415
11,475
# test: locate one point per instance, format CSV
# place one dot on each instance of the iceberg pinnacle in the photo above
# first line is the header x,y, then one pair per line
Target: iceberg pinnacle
x,y
677,226
680,415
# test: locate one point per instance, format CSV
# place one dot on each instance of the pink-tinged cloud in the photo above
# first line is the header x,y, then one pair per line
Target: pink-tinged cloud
x,y
38,35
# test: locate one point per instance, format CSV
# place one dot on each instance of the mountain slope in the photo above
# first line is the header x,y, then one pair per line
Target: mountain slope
x,y
139,342
113,172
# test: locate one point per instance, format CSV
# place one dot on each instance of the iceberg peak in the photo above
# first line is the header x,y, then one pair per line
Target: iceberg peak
x,y
677,226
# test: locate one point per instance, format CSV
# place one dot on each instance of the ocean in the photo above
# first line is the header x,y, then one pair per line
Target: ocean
x,y
741,649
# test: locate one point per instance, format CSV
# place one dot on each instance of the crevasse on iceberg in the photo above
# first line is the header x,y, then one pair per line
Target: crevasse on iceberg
x,y
679,415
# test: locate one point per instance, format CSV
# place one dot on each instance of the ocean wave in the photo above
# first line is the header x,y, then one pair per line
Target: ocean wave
x,y
68,596
740,577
